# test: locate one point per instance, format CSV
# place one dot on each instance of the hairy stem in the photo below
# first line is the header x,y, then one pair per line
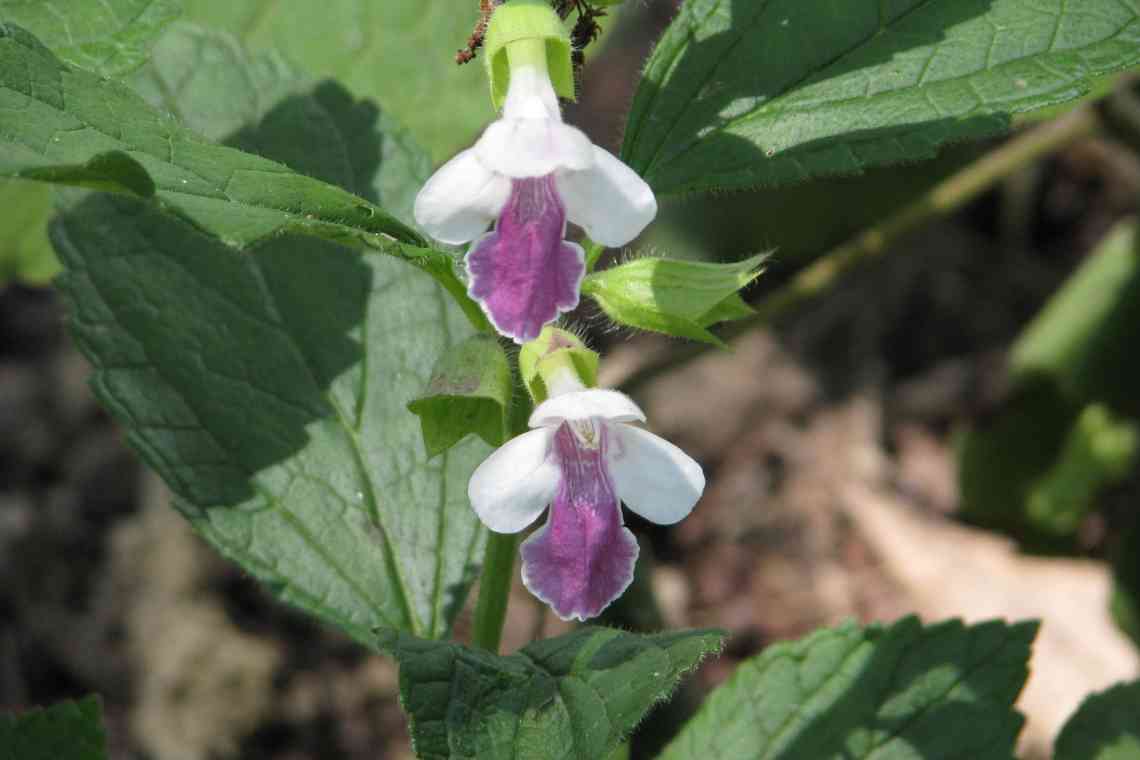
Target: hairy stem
x,y
945,197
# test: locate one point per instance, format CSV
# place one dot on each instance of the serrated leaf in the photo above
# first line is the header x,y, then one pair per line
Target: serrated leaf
x,y
400,52
191,66
268,386
745,93
1105,727
53,115
108,37
469,393
64,731
268,389
904,692
571,697
25,253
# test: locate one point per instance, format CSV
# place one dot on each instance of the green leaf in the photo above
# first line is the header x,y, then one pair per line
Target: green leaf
x,y
25,253
268,385
1099,450
399,52
52,115
64,731
108,37
905,692
1105,727
575,696
1041,460
469,392
678,298
1084,337
191,66
742,93
268,388
211,84
113,171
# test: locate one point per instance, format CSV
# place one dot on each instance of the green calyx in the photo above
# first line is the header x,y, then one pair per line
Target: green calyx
x,y
527,32
550,358
678,298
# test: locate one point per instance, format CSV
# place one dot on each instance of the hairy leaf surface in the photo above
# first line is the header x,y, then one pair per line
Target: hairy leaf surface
x,y
742,93
571,697
108,37
906,692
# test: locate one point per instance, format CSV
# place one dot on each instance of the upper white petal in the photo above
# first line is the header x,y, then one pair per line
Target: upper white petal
x,y
531,95
608,200
580,405
653,477
511,487
533,147
461,199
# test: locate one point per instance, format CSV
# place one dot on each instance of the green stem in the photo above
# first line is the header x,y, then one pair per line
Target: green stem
x,y
494,590
945,197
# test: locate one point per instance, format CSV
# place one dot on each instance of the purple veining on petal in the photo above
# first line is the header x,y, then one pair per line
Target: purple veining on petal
x,y
523,274
583,558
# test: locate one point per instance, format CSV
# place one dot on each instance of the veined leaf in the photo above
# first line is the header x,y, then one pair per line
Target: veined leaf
x,y
108,37
574,697
64,731
400,52
1105,727
268,388
906,692
53,115
268,385
191,66
742,93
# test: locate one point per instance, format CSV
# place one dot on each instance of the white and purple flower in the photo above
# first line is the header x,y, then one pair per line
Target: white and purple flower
x,y
532,173
583,459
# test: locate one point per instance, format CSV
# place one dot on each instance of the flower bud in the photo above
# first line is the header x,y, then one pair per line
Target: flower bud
x,y
555,362
527,32
679,298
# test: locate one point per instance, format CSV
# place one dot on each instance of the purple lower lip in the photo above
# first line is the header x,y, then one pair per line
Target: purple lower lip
x,y
583,558
524,274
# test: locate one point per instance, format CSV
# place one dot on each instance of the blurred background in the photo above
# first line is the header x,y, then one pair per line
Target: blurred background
x,y
949,429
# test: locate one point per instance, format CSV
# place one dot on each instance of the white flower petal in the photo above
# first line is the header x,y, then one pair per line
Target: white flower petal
x,y
519,148
531,95
511,487
653,477
580,405
461,199
608,200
